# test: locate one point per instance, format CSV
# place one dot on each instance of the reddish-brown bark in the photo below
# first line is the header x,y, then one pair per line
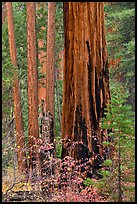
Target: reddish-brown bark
x,y
50,58
22,165
33,129
86,82
42,81
50,70
42,60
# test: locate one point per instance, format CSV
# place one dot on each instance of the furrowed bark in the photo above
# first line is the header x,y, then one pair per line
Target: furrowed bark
x,y
33,129
86,79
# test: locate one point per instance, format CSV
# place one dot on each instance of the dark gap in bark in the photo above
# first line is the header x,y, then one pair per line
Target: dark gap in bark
x,y
97,92
106,72
94,123
65,19
64,152
80,135
92,112
103,90
100,80
107,78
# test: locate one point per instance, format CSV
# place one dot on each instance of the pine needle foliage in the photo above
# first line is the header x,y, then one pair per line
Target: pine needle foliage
x,y
118,182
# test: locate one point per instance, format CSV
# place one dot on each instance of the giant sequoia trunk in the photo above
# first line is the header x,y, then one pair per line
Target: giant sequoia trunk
x,y
33,129
86,79
21,154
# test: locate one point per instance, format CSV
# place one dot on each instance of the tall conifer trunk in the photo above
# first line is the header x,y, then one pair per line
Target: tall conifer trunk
x,y
33,129
42,59
86,79
50,69
21,154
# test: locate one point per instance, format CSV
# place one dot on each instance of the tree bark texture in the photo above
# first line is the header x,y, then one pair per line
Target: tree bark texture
x,y
42,60
33,128
50,71
86,79
22,165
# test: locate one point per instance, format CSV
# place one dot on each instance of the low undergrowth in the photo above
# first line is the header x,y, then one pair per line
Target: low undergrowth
x,y
65,185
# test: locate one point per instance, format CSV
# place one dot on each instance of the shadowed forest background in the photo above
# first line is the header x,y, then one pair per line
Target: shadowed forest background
x,y
68,101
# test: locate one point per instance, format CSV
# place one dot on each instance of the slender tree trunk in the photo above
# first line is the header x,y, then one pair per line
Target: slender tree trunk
x,y
48,114
42,60
33,129
22,165
86,82
50,70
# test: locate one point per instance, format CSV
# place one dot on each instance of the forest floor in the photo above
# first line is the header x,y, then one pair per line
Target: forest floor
x,y
88,194
72,191
67,185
